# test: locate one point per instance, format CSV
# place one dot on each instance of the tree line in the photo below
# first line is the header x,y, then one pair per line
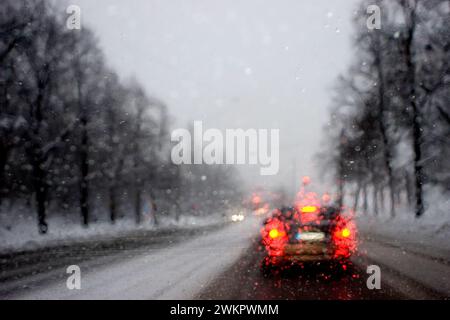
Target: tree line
x,y
73,135
389,129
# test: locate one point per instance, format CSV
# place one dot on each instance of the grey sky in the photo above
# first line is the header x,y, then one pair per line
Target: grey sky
x,y
247,64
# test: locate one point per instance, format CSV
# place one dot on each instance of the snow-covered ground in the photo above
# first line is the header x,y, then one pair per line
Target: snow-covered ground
x,y
177,272
415,248
18,230
430,233
411,270
409,231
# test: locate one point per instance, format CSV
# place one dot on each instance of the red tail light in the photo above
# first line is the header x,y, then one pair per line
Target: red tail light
x,y
274,233
274,237
343,233
344,238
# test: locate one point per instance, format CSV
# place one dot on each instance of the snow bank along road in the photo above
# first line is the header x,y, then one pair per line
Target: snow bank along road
x,y
219,263
416,272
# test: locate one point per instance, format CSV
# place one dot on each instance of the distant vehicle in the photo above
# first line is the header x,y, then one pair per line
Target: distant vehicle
x,y
237,217
295,235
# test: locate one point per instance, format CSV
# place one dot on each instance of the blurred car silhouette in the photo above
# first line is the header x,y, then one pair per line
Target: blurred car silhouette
x,y
295,235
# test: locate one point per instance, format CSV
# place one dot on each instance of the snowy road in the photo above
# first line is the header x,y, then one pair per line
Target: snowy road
x,y
153,271
224,264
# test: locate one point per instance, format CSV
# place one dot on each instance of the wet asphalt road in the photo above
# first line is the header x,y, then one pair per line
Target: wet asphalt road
x,y
405,274
322,281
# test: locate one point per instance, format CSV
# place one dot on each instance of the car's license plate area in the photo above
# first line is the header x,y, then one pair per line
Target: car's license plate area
x,y
310,236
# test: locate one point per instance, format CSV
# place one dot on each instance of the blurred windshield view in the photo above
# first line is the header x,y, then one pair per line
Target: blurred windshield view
x,y
198,149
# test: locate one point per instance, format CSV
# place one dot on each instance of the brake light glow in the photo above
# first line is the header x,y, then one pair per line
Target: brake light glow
x,y
345,232
274,233
274,237
309,209
344,238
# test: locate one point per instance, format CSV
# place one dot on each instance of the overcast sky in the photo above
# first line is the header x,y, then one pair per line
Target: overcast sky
x,y
234,63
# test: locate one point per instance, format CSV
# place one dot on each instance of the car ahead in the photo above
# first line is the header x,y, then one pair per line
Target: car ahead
x,y
295,235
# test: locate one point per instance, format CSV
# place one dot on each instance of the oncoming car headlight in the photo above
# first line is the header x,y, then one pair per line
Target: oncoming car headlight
x,y
237,217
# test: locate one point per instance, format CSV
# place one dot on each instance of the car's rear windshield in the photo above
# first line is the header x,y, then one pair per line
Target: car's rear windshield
x,y
326,213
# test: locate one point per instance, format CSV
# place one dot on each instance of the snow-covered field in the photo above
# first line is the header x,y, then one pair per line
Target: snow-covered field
x,y
18,230
415,248
410,231
431,232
